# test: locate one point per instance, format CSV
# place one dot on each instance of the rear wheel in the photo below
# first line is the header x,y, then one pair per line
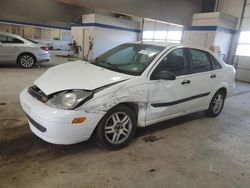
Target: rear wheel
x,y
216,104
116,128
26,61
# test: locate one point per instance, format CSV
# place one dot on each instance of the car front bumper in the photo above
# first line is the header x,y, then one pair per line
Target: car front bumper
x,y
55,125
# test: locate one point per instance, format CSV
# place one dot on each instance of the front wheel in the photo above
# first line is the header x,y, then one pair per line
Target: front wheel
x,y
216,104
116,129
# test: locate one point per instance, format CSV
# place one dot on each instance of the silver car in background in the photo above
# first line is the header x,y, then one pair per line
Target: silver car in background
x,y
14,48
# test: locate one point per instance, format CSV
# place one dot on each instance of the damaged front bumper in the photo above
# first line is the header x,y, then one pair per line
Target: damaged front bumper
x,y
55,125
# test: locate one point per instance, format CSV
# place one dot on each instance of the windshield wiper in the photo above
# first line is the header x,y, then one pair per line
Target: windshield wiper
x,y
102,63
112,66
96,61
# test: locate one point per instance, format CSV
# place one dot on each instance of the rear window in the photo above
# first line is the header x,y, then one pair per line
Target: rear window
x,y
216,64
35,42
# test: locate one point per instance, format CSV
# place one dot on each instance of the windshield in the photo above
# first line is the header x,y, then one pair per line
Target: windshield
x,y
130,59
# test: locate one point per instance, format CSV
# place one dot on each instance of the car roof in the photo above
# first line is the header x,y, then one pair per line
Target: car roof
x,y
163,44
173,45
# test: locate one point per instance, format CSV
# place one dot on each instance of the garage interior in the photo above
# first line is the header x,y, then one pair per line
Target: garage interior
x,y
190,151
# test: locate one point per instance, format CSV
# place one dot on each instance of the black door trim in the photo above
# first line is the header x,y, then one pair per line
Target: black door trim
x,y
180,101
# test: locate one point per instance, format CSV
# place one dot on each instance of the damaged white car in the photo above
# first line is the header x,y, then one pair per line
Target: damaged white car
x,y
132,85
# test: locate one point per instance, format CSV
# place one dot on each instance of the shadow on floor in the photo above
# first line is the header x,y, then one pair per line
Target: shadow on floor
x,y
29,146
168,124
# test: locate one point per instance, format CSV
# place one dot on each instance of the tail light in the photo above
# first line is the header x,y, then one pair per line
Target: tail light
x,y
45,48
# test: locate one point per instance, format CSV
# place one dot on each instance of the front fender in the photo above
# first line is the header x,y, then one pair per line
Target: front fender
x,y
104,101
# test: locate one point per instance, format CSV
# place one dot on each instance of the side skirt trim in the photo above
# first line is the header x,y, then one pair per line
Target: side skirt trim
x,y
180,101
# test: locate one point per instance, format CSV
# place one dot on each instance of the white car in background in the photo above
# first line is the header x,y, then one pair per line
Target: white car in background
x,y
132,85
14,48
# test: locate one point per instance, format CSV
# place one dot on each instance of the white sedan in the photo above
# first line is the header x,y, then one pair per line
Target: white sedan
x,y
132,85
25,52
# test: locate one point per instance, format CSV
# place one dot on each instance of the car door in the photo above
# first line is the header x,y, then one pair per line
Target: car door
x,y
10,48
202,76
169,98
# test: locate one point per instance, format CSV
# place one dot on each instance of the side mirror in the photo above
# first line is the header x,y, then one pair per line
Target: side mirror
x,y
163,75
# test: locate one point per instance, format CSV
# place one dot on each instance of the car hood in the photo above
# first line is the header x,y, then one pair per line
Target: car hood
x,y
77,75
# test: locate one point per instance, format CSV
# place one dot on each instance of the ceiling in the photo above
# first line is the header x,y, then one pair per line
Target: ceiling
x,y
178,11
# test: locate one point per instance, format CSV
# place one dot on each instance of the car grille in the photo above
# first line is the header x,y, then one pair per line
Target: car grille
x,y
38,94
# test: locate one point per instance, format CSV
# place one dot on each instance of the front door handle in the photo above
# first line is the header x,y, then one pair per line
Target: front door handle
x,y
185,82
213,76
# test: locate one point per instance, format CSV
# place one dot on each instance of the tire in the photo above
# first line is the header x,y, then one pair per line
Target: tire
x,y
116,129
216,104
26,61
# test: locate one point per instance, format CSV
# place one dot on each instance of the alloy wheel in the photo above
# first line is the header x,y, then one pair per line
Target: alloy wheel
x,y
26,61
218,103
118,128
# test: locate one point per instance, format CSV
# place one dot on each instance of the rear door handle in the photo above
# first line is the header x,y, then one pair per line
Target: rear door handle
x,y
185,82
213,76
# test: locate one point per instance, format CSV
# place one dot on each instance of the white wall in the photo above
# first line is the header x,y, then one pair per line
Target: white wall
x,y
243,71
199,38
210,31
215,18
209,39
223,40
103,38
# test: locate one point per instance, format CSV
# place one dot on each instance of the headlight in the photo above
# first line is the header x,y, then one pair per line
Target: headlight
x,y
69,100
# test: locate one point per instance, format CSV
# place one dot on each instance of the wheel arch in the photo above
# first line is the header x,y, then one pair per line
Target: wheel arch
x,y
132,105
222,86
224,90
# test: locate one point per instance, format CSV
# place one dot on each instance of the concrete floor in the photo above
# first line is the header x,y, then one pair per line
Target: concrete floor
x,y
191,151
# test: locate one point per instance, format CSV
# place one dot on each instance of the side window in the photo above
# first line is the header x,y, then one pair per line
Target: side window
x,y
216,64
124,56
175,62
9,40
200,61
14,40
3,38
